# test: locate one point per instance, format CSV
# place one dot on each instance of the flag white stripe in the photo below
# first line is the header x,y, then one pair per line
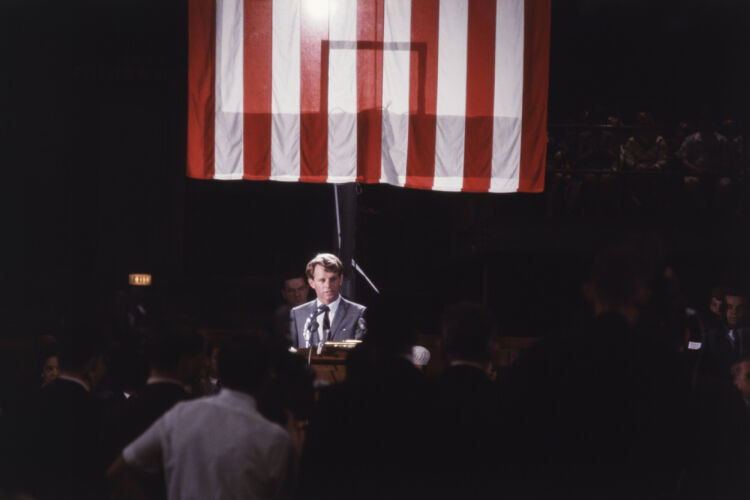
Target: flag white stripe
x,y
396,56
453,43
285,91
342,91
229,109
506,139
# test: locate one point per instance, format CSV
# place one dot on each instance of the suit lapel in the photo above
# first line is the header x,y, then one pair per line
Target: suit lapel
x,y
338,319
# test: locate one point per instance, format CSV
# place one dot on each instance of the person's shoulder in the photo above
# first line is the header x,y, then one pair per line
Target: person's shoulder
x,y
303,307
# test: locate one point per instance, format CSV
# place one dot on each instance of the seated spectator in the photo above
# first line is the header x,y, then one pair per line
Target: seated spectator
x,y
218,446
729,341
703,152
646,150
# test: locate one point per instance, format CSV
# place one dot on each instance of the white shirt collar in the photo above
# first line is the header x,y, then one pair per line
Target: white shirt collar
x,y
77,380
332,307
237,398
155,379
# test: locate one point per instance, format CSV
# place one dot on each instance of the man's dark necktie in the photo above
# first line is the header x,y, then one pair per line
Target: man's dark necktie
x,y
326,323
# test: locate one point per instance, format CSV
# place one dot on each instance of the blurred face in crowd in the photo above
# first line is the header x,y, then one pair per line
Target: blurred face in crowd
x,y
326,284
295,291
742,378
715,306
213,363
735,310
50,370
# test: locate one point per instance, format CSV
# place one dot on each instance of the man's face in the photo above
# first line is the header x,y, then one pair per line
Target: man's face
x,y
715,306
326,284
742,379
51,369
735,310
295,291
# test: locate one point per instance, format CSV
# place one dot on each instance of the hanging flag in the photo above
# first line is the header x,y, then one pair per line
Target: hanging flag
x,y
448,95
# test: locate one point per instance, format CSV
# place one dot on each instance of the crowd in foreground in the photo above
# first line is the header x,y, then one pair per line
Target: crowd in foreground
x,y
647,400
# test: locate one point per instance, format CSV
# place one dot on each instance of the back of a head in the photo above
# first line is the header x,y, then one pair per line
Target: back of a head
x,y
170,341
467,331
244,361
80,344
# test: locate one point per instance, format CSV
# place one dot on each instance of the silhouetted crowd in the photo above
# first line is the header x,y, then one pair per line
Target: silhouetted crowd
x,y
639,165
648,399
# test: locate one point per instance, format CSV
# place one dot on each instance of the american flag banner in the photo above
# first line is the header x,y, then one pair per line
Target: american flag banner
x,y
448,95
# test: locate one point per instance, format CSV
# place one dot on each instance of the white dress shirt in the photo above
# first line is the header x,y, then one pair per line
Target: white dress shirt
x,y
216,447
332,308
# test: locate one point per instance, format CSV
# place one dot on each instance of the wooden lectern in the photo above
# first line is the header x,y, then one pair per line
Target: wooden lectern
x,y
330,365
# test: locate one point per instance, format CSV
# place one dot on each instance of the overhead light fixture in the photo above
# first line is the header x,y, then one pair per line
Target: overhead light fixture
x,y
139,279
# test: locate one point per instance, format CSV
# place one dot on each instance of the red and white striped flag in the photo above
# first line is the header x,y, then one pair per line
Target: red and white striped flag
x,y
447,95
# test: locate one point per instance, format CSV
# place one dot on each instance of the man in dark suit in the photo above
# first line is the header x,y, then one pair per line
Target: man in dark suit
x,y
65,432
329,316
466,410
176,360
729,340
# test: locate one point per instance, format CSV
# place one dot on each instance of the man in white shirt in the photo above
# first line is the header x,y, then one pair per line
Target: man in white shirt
x,y
217,446
329,316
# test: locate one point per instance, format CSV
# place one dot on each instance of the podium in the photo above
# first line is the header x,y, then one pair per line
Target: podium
x,y
330,365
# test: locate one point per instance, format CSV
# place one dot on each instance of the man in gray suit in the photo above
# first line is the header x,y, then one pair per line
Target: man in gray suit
x,y
329,316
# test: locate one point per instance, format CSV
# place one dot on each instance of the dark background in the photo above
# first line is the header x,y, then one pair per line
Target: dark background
x,y
94,114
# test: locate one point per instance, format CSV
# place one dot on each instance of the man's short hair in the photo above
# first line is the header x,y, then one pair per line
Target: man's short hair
x,y
244,361
330,263
80,344
718,292
467,330
291,275
170,341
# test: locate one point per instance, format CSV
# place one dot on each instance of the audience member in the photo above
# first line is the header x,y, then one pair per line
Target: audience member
x,y
209,383
466,407
65,430
599,414
176,360
741,379
647,149
295,292
703,152
50,366
729,340
218,446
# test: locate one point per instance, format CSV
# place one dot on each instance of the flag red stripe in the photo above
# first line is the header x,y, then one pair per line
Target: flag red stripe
x,y
313,95
420,157
369,89
480,89
201,78
257,89
535,83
